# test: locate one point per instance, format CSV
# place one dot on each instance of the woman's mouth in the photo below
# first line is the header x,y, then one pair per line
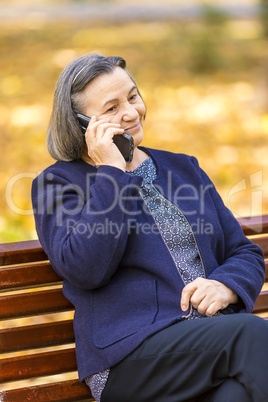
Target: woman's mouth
x,y
133,128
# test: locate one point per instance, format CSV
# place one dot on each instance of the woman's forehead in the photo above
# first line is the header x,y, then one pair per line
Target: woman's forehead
x,y
107,86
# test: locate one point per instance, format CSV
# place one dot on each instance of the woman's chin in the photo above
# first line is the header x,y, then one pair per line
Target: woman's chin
x,y
138,137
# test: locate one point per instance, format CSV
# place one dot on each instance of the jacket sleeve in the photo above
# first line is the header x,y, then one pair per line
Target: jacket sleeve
x,y
84,236
243,268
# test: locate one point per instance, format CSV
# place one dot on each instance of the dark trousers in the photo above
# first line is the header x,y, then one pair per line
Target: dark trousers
x,y
221,359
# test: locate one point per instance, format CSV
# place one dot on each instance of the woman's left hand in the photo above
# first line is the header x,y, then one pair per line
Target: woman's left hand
x,y
207,296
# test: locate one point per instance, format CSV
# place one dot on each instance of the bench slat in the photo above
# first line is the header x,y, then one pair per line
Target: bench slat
x,y
36,336
35,303
254,225
63,391
263,243
38,365
20,252
37,275
28,275
261,305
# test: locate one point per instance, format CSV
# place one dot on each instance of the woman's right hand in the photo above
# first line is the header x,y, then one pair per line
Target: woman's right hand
x,y
100,146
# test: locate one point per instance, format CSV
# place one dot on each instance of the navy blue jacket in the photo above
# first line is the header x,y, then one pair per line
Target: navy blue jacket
x,y
116,268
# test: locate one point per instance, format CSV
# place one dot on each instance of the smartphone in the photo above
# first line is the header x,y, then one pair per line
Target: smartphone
x,y
124,142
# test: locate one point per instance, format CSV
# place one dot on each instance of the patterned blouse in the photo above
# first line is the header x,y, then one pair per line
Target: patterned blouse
x,y
179,238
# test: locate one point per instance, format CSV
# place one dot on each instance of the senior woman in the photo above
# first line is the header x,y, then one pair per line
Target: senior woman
x,y
147,252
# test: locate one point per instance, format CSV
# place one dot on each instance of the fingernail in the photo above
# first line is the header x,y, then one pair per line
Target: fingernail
x,y
183,307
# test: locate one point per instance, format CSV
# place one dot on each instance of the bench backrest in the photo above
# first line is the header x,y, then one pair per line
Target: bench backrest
x,y
30,288
44,350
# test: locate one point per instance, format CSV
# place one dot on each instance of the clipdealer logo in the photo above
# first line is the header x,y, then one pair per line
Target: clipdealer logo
x,y
124,196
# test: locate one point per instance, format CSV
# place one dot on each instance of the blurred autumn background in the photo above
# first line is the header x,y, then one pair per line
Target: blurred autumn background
x,y
201,67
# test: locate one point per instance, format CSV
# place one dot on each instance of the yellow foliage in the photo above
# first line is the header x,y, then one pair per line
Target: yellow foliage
x,y
264,124
206,95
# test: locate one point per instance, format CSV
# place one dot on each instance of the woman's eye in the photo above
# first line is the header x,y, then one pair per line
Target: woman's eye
x,y
133,97
111,109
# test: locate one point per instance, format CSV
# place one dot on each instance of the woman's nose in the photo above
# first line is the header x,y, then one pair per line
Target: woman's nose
x,y
129,113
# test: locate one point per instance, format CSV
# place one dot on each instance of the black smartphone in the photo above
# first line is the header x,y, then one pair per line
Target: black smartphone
x,y
124,142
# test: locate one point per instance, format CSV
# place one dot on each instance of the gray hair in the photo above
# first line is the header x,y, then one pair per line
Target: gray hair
x,y
65,141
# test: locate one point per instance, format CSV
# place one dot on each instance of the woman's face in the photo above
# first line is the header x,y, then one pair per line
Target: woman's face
x,y
115,96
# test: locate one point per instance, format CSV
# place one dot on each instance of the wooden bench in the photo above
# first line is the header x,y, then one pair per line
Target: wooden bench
x,y
44,350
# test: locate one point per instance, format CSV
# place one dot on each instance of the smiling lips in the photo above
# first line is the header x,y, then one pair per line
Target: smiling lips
x,y
133,128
